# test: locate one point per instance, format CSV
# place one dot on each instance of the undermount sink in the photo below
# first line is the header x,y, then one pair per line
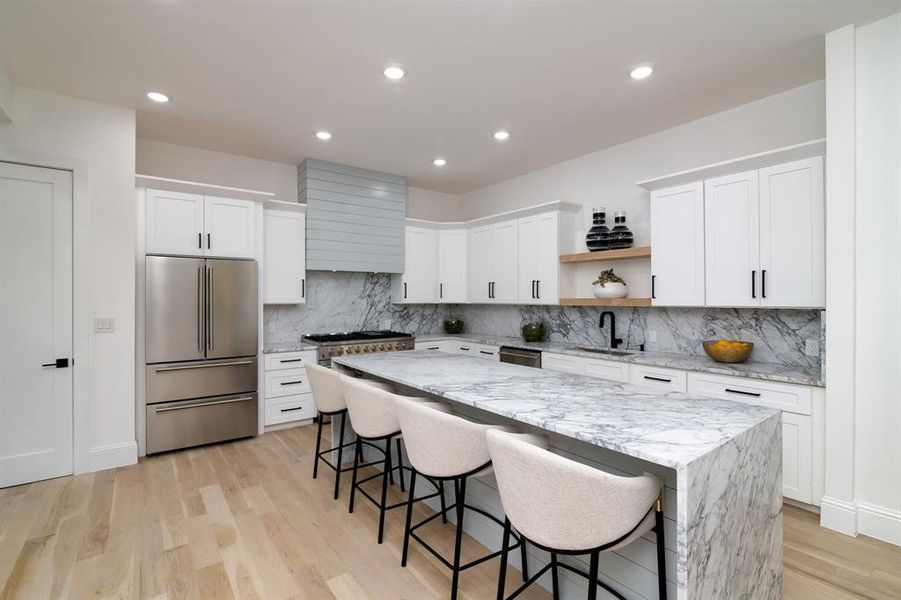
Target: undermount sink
x,y
607,351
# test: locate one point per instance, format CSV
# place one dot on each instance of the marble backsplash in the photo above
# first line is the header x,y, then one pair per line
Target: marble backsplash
x,y
353,301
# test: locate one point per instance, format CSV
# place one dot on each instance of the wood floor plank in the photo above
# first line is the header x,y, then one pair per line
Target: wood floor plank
x,y
246,520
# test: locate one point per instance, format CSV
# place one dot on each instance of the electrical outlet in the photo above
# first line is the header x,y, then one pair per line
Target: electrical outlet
x,y
652,336
104,325
812,347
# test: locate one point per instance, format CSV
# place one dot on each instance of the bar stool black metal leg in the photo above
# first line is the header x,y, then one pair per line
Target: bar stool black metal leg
x,y
403,557
593,575
340,451
661,555
353,480
400,463
386,476
443,501
458,544
523,559
505,550
555,579
318,446
387,460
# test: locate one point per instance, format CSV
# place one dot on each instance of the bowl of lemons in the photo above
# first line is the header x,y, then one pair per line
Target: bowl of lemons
x,y
728,351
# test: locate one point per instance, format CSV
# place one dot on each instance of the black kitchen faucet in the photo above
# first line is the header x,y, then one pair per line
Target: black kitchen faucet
x,y
614,341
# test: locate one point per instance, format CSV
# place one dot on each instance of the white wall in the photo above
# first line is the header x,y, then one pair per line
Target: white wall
x,y
607,177
863,369
430,205
50,125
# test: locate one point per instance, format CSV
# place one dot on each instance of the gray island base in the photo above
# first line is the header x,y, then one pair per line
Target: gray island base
x,y
721,463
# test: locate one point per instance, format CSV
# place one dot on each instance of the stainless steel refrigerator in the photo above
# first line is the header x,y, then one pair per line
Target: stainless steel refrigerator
x,y
201,351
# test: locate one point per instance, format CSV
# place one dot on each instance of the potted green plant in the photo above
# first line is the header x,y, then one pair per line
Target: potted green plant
x,y
533,331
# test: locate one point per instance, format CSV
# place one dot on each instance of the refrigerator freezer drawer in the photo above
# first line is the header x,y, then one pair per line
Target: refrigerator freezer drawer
x,y
174,425
180,381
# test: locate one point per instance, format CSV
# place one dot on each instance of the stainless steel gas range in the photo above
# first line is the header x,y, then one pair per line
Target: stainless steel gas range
x,y
358,342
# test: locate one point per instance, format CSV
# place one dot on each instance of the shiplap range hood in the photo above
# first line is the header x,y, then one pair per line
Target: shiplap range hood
x,y
355,218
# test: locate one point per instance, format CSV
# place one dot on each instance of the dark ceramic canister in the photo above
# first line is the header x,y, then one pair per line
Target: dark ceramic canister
x,y
598,237
620,236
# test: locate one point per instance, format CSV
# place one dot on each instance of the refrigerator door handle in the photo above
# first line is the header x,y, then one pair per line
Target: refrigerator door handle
x,y
209,308
232,401
200,309
234,363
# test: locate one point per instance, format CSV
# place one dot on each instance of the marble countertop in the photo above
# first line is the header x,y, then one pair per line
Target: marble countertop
x,y
287,347
670,429
685,362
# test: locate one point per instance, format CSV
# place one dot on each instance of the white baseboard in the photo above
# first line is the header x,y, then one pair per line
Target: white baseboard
x,y
879,522
838,515
112,455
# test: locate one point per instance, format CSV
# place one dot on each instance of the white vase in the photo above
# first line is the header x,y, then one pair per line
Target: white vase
x,y
611,289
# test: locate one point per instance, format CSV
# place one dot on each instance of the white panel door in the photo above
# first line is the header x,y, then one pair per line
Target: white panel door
x,y
35,323
547,259
229,227
505,268
797,457
452,261
481,261
793,235
174,223
284,260
527,256
732,255
677,243
420,279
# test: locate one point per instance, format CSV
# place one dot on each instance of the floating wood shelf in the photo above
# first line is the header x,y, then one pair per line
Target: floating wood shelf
x,y
605,301
637,252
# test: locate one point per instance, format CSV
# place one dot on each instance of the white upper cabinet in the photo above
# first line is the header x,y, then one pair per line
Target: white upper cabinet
x,y
452,259
196,225
539,262
677,258
792,235
419,281
284,260
505,265
481,262
174,223
732,254
230,226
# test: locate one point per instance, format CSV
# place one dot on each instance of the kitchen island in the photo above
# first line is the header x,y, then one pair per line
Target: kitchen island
x,y
720,461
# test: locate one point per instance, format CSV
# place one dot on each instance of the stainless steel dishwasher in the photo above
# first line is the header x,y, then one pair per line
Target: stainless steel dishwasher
x,y
520,356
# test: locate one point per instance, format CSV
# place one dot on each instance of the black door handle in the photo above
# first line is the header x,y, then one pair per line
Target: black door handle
x,y
653,286
59,363
405,290
441,290
538,289
753,284
763,284
208,241
303,287
199,240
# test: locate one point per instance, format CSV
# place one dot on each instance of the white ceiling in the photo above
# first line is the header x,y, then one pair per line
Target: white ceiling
x,y
258,78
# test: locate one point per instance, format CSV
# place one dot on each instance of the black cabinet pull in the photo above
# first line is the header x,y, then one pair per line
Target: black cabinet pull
x,y
763,284
441,290
291,409
743,393
59,363
533,288
199,240
485,352
303,287
462,348
538,289
291,360
753,284
208,237
434,348
663,379
290,382
653,286
405,290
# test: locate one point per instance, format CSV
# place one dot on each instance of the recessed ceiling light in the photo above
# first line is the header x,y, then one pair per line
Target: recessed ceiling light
x,y
158,97
501,135
393,72
323,135
642,72
439,162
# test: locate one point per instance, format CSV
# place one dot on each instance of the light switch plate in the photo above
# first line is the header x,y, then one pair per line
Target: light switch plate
x,y
812,347
652,336
104,325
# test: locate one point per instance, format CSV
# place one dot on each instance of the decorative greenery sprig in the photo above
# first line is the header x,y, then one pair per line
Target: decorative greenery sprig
x,y
608,276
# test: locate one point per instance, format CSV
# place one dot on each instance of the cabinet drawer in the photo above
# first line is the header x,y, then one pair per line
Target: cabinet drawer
x,y
290,408
431,345
607,369
286,383
487,352
659,378
787,397
288,360
562,362
173,425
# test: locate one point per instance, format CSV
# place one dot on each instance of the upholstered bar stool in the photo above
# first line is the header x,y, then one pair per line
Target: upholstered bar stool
x,y
328,396
442,448
373,417
565,507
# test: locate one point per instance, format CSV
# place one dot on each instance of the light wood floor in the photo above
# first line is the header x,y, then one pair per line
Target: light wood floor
x,y
246,520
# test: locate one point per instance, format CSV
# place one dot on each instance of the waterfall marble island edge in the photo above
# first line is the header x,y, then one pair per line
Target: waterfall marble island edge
x,y
722,458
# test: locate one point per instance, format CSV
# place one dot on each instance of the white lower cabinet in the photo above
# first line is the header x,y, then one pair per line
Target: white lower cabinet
x,y
439,345
602,369
286,392
659,378
471,349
